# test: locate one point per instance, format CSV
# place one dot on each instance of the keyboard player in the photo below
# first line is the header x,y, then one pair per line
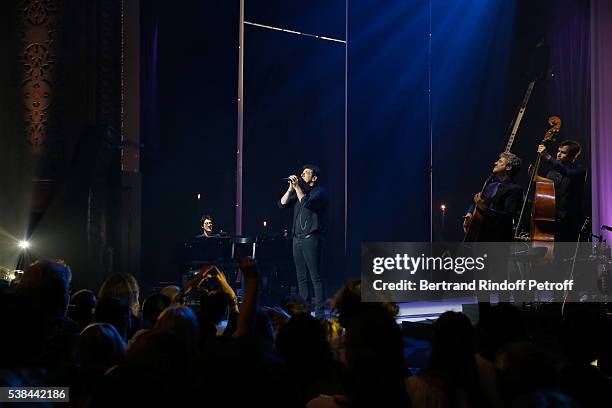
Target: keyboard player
x,y
207,225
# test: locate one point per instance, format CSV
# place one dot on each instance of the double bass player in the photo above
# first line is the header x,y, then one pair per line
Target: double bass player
x,y
569,179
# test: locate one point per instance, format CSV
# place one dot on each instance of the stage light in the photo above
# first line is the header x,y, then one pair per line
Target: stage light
x,y
23,244
265,223
443,207
199,196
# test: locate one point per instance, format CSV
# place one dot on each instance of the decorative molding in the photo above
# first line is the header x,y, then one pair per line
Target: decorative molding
x,y
38,58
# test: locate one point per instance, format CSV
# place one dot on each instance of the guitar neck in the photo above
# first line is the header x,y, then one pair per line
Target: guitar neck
x,y
486,183
519,116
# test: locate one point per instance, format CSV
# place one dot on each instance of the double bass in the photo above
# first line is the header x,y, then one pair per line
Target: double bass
x,y
542,219
542,223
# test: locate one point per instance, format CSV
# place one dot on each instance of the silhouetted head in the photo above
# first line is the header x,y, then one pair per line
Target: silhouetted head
x,y
181,321
115,311
171,291
152,307
99,347
82,306
347,303
453,348
302,341
523,368
46,283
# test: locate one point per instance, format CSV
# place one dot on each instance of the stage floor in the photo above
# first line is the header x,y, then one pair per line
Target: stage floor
x,y
430,310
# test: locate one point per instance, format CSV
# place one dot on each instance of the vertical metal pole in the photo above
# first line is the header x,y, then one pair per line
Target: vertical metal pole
x,y
430,131
240,132
131,178
345,126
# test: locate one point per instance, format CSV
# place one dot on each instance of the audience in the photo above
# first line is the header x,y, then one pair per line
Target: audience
x,y
152,307
99,348
124,286
170,291
115,311
302,342
181,321
523,369
282,356
45,286
46,283
375,360
82,306
452,376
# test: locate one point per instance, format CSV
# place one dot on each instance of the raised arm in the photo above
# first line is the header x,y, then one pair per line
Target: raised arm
x,y
288,196
562,168
197,280
577,171
246,320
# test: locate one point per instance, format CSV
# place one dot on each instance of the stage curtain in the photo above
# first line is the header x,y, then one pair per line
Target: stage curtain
x,y
601,112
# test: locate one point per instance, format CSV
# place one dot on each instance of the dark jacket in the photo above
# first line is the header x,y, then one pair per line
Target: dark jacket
x,y
504,200
570,180
569,188
308,214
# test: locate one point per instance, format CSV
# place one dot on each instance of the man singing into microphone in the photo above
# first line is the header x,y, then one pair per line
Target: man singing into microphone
x,y
309,203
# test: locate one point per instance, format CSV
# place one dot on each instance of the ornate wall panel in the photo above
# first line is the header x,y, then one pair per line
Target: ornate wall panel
x,y
38,32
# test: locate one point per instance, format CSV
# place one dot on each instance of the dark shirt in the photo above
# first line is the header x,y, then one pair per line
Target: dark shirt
x,y
504,200
220,234
308,214
203,235
569,182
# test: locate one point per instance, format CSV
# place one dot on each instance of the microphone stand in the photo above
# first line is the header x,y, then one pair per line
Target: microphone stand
x,y
584,230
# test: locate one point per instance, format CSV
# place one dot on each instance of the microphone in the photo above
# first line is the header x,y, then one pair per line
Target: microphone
x,y
285,179
606,227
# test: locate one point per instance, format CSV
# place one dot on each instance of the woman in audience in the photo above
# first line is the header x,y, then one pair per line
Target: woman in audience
x,y
98,349
124,286
376,369
182,321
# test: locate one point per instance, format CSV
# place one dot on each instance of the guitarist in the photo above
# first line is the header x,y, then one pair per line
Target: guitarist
x,y
499,202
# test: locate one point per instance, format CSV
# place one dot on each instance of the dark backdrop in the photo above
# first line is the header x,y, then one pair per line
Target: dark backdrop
x,y
294,107
190,136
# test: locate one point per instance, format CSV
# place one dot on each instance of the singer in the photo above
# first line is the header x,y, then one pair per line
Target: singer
x,y
309,202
